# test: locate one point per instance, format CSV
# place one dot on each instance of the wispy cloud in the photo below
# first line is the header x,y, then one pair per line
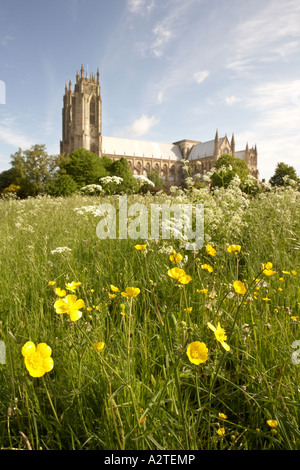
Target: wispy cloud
x,y
271,33
140,6
201,76
9,135
141,126
230,100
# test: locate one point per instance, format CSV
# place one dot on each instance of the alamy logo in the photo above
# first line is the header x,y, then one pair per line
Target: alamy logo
x,y
2,352
180,221
2,92
296,354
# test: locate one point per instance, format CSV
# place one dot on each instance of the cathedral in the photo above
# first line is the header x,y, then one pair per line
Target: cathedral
x,y
82,128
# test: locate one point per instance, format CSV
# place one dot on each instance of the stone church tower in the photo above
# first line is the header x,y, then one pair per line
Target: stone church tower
x,y
82,115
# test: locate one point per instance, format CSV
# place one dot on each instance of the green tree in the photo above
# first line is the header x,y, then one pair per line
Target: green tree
x,y
33,169
84,167
283,170
155,178
121,168
62,184
228,167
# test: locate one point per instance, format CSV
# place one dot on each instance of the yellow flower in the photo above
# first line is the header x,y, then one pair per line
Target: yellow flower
x,y
92,291
220,335
197,352
221,431
239,287
202,291
112,296
222,415
272,423
188,310
140,247
210,250
114,288
131,292
71,306
72,286
234,248
265,299
51,283
60,292
286,272
207,267
89,309
267,269
279,289
294,317
180,275
175,257
37,359
99,346
294,272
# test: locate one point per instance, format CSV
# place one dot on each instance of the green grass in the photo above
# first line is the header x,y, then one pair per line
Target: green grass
x,y
141,391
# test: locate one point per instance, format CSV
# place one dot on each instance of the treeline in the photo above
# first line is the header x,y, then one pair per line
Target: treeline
x,y
34,172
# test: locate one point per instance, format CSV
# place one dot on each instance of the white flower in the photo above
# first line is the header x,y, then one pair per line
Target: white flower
x,y
61,249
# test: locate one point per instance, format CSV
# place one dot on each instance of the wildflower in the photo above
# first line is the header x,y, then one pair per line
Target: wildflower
x,y
197,352
220,335
175,257
89,309
92,291
221,431
286,272
294,272
99,346
72,286
202,291
210,250
60,249
281,279
71,306
272,423
188,310
294,317
234,249
143,418
267,269
239,287
180,275
51,283
222,415
112,296
114,288
280,289
131,292
37,359
60,292
265,299
207,267
140,247
275,310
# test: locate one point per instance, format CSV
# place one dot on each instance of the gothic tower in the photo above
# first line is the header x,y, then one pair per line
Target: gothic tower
x,y
82,115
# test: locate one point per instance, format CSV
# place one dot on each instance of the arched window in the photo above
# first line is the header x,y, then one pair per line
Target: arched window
x,y
93,111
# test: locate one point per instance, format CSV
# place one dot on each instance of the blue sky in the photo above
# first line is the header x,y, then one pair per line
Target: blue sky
x,y
169,70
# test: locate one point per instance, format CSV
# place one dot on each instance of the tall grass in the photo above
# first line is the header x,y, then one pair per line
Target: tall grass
x,y
141,391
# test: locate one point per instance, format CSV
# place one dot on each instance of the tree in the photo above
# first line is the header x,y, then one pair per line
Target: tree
x,y
33,170
61,185
84,167
121,168
283,170
228,167
155,178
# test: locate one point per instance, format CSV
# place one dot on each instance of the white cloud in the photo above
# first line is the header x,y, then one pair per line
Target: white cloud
x,y
201,76
160,97
140,6
271,33
11,137
142,125
230,100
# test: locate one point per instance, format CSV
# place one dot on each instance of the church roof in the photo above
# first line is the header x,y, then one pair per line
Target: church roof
x,y
204,149
139,148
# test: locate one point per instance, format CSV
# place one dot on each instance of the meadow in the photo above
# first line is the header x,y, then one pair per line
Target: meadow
x,y
161,347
